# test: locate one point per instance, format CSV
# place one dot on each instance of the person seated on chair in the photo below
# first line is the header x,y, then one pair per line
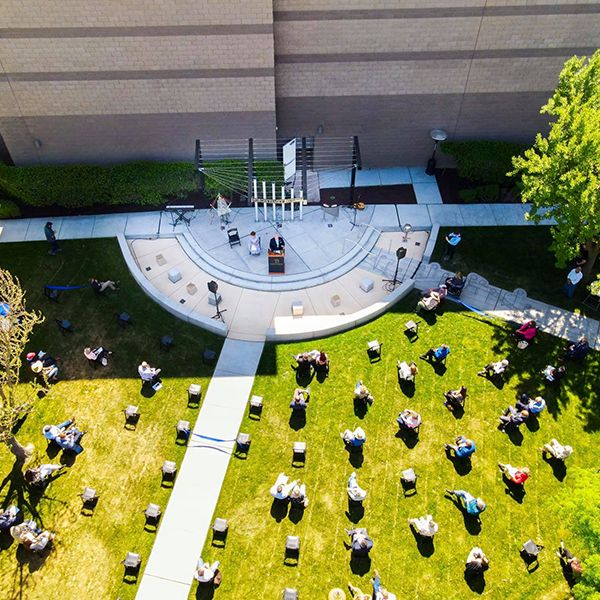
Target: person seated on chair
x,y
298,497
254,244
513,418
568,561
430,301
379,592
409,419
407,372
361,393
354,438
42,363
534,405
517,475
357,594
300,399
321,363
277,244
455,398
477,562
526,332
438,354
39,476
51,432
69,440
472,506
31,536
102,286
8,517
355,492
205,572
304,363
97,356
360,542
494,369
557,450
455,284
148,374
462,448
424,526
554,374
282,488
578,350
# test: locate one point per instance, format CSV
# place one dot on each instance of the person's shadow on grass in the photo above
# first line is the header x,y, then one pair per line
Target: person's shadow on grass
x,y
360,564
295,514
559,469
356,456
205,591
408,388
360,408
297,419
462,466
410,438
279,509
475,581
356,511
514,490
425,545
472,522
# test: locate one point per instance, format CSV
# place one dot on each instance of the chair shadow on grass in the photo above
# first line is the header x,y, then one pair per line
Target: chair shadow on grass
x,y
425,545
360,408
356,456
475,581
559,469
297,419
279,509
410,438
360,564
408,388
462,466
355,512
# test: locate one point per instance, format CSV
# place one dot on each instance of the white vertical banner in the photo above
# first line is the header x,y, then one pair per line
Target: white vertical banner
x,y
289,159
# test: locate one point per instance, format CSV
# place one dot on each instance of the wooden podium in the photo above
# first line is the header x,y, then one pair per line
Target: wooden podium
x,y
276,262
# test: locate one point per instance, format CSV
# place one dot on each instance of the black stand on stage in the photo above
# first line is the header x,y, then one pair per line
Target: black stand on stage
x,y
179,212
392,283
213,287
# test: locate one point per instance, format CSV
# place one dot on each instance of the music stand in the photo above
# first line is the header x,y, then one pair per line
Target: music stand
x,y
213,287
179,212
392,283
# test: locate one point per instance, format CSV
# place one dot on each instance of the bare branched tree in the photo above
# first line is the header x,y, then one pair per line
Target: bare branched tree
x,y
16,325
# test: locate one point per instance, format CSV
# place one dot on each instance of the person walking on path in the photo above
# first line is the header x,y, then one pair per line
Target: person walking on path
x,y
573,278
51,237
452,240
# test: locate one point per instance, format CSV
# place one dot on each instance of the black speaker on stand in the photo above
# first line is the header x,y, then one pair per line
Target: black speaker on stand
x,y
213,287
390,284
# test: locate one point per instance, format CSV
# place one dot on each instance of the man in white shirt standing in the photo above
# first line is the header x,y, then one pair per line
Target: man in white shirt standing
x,y
573,278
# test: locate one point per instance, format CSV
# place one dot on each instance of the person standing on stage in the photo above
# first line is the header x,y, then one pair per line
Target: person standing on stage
x,y
276,244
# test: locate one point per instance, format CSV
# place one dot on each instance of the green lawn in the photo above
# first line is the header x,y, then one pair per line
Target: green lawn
x,y
124,466
511,257
252,559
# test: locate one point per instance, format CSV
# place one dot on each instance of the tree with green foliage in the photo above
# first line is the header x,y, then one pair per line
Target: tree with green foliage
x,y
560,173
16,325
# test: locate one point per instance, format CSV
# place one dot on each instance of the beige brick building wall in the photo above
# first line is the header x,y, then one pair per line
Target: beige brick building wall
x,y
118,80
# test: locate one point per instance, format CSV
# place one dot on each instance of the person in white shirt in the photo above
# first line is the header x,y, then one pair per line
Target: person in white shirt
x,y
355,492
407,372
557,450
147,373
477,562
205,572
573,278
254,244
282,488
424,526
494,369
298,496
361,392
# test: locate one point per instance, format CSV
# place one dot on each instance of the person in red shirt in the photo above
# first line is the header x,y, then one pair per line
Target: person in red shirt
x,y
518,475
526,332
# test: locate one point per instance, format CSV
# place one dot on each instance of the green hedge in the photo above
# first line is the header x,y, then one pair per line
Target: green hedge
x,y
231,175
71,186
483,193
8,209
484,161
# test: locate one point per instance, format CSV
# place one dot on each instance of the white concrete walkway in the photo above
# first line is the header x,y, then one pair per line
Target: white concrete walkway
x,y
188,517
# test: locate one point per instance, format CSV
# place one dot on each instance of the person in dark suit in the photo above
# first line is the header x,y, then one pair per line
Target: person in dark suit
x,y
276,244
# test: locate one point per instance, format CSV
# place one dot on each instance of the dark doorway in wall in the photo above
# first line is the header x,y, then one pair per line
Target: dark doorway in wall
x,y
5,156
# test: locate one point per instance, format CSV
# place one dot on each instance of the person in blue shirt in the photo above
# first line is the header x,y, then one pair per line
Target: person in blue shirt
x,y
452,240
438,354
471,505
463,448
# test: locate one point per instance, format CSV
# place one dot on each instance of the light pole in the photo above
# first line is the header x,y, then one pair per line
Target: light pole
x,y
437,135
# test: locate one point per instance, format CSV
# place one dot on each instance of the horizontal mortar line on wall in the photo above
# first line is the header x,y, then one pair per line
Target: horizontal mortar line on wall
x,y
225,114
146,74
430,55
137,31
435,12
362,98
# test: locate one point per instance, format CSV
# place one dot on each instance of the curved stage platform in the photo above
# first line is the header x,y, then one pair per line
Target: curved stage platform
x,y
326,263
